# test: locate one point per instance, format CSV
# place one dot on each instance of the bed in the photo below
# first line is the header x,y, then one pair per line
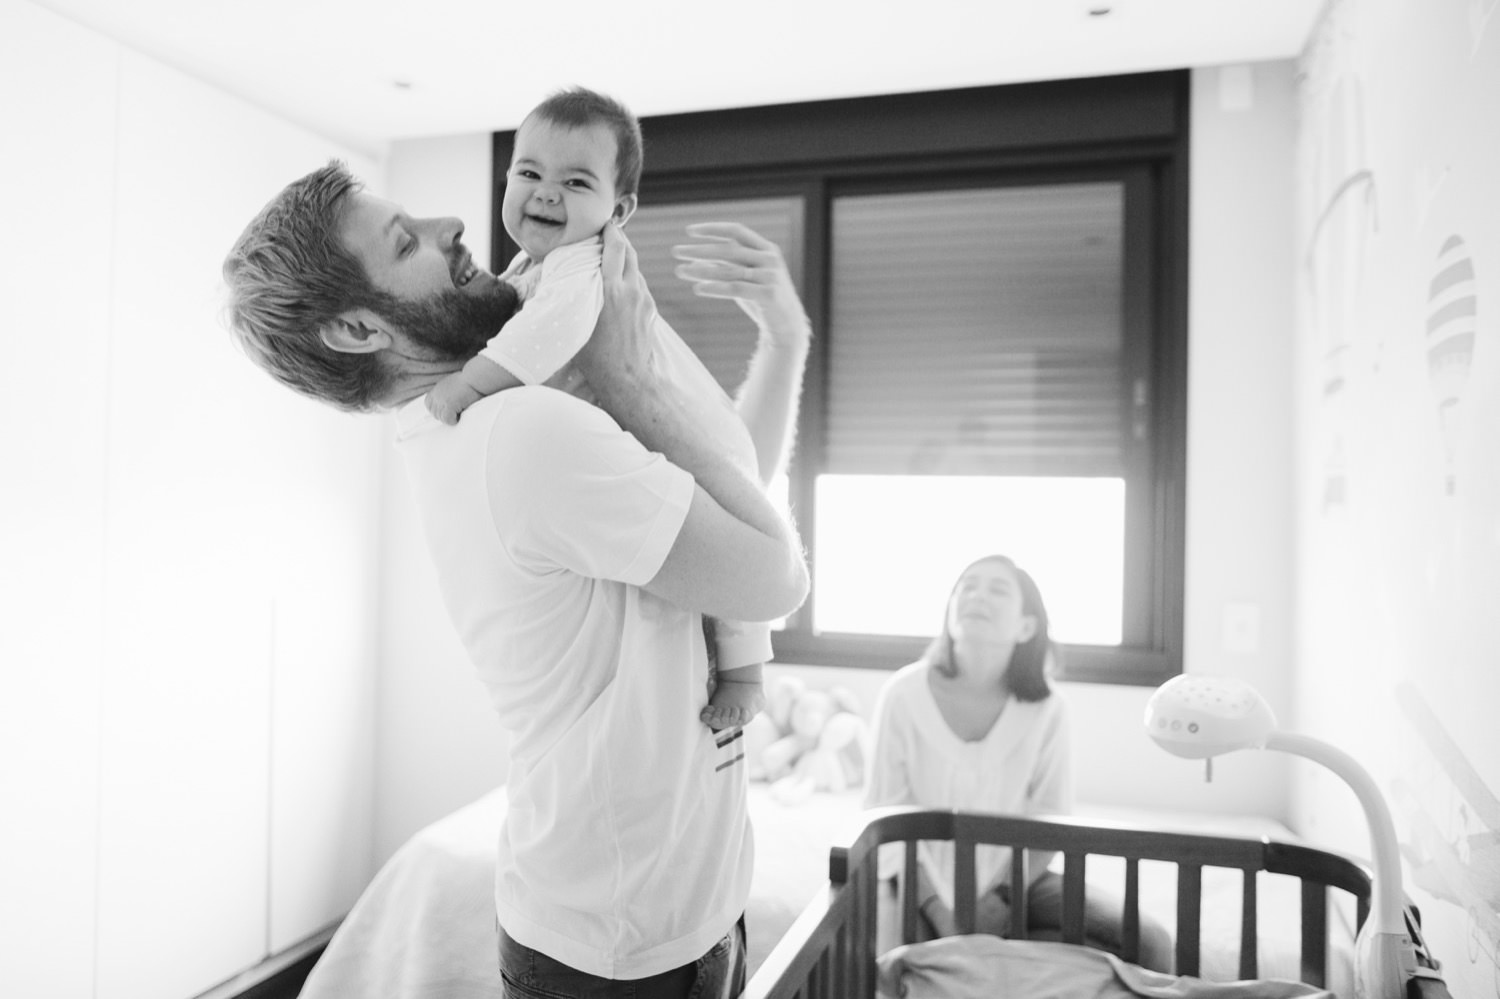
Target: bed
x,y
424,927
1277,916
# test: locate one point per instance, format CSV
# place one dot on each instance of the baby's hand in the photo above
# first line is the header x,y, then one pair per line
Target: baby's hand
x,y
732,261
450,397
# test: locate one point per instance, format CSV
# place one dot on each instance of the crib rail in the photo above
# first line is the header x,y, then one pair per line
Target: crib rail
x,y
829,953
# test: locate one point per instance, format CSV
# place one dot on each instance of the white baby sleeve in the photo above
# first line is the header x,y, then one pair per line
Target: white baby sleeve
x,y
557,319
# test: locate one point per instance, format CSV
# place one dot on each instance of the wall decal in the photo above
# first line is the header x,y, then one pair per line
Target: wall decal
x,y
1341,185
1453,846
1452,315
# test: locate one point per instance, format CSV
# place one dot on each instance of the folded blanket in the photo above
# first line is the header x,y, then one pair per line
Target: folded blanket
x,y
979,966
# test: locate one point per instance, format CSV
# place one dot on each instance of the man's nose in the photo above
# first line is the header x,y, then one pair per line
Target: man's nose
x,y
448,231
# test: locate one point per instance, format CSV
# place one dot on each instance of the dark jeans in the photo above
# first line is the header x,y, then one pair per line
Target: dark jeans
x,y
719,974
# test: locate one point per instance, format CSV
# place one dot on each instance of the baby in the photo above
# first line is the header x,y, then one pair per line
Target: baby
x,y
575,168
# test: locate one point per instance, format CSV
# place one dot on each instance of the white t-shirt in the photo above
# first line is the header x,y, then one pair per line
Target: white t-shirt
x,y
1021,767
626,849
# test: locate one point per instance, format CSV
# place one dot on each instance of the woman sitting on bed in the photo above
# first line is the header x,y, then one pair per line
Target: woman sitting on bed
x,y
974,725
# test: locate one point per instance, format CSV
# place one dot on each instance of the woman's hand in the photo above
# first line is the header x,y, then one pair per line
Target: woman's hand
x,y
992,915
932,907
734,262
939,917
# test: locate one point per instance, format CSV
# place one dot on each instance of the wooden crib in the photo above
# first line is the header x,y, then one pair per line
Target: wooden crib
x,y
830,951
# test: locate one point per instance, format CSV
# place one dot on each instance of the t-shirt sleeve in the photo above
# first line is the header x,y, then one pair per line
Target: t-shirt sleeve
x,y
888,781
569,489
558,318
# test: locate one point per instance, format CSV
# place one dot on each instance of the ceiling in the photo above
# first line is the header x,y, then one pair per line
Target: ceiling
x,y
366,72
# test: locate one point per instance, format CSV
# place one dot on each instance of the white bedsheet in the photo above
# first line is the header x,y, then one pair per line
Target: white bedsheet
x,y
425,927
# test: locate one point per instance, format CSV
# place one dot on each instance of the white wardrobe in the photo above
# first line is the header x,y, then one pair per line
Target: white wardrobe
x,y
188,553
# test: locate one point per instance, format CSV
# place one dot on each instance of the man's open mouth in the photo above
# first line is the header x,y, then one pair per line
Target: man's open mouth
x,y
466,271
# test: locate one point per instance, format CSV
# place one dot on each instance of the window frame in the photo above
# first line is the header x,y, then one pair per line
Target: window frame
x,y
1132,128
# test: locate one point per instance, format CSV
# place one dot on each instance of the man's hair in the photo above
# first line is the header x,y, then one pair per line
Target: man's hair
x,y
290,277
579,107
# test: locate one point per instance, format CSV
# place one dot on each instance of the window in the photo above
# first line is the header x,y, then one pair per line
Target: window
x,y
996,280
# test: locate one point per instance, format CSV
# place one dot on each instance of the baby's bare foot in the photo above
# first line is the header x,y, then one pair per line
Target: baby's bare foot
x,y
733,702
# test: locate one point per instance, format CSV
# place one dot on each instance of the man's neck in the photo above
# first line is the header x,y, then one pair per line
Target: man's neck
x,y
409,385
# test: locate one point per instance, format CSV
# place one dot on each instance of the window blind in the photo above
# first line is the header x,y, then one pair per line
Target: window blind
x,y
977,332
718,330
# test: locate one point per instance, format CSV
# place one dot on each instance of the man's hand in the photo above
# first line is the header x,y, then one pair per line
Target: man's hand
x,y
734,262
620,356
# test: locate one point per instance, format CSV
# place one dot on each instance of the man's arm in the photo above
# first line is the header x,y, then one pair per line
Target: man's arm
x,y
735,556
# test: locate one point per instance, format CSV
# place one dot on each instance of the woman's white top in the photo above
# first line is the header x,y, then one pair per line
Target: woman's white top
x,y
1022,766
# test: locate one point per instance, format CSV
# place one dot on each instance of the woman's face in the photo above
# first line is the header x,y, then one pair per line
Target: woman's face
x,y
987,606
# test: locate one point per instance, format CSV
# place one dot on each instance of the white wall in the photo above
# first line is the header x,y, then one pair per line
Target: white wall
x,y
1241,317
1239,522
1398,498
188,551
52,496
1239,533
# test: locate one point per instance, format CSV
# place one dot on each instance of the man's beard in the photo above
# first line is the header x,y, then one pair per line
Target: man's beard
x,y
452,325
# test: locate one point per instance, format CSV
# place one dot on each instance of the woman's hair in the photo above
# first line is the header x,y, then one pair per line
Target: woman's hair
x,y
578,107
289,278
1030,661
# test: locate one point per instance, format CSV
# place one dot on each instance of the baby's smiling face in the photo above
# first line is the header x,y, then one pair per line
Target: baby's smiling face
x,y
561,186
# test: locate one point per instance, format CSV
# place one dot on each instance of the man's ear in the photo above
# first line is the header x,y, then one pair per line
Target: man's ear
x,y
356,331
624,208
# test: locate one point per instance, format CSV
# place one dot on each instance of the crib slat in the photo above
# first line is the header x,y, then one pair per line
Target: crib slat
x,y
1314,934
1020,894
963,883
1073,894
1249,944
863,951
841,960
1189,906
1130,919
909,895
